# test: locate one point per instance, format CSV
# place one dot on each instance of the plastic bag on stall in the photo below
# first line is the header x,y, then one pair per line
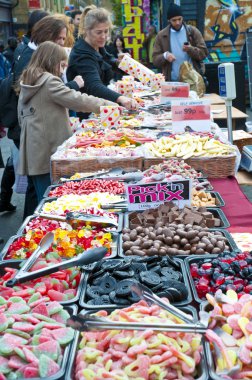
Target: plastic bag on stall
x,y
189,75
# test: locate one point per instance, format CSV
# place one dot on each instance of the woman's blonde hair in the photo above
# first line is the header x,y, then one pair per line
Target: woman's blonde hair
x,y
92,16
46,58
69,41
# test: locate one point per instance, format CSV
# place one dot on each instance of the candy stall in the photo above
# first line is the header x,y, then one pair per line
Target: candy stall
x,y
137,264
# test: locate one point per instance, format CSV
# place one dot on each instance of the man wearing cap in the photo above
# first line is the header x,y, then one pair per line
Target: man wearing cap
x,y
177,43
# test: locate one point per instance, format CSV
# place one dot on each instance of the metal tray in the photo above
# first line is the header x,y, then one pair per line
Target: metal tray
x,y
52,187
209,187
218,198
114,247
16,264
202,368
231,243
194,259
83,304
29,218
38,209
217,213
205,306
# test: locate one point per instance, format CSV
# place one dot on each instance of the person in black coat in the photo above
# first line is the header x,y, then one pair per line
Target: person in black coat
x,y
90,59
10,50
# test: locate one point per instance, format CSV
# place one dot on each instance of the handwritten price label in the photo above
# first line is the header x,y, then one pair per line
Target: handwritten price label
x,y
175,90
193,114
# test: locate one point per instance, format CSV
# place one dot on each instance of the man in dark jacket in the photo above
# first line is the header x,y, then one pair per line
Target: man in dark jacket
x,y
177,43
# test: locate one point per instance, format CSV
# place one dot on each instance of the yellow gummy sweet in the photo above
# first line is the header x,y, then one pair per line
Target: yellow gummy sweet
x,y
169,341
232,356
227,328
187,359
240,341
242,322
108,365
88,374
232,295
154,368
196,342
221,364
91,355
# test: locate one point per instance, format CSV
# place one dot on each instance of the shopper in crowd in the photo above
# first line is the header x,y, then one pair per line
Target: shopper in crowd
x,y
35,16
47,29
8,178
1,46
9,51
177,43
5,67
90,59
118,49
76,17
43,112
149,44
69,41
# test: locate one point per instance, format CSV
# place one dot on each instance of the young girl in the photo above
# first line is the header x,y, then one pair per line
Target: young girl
x,y
43,112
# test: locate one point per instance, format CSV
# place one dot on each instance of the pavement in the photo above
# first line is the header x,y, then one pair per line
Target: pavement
x,y
11,221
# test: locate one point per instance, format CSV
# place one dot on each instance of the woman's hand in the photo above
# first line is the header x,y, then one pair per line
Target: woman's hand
x,y
128,103
78,79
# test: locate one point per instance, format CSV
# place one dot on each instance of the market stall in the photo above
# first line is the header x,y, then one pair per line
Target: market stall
x,y
134,265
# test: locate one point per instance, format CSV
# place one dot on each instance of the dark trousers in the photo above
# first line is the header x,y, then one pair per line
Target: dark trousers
x,y
8,180
31,200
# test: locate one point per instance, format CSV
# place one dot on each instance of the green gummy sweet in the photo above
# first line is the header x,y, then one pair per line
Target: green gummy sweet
x,y
2,301
8,349
54,308
63,335
74,283
17,308
20,353
60,359
14,375
35,340
42,317
73,274
55,281
17,300
34,297
4,368
62,316
65,284
52,255
38,285
38,328
11,320
22,334
47,366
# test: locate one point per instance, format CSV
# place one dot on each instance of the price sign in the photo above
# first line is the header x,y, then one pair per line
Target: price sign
x,y
191,114
151,195
171,90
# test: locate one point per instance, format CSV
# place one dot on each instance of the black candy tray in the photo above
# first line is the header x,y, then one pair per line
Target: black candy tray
x,y
85,305
31,217
225,233
16,264
217,213
70,375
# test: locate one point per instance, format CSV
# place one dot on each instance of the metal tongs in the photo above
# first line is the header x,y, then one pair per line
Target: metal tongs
x,y
91,322
116,206
86,257
93,220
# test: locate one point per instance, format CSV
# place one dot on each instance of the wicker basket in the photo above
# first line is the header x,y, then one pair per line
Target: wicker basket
x,y
67,168
214,167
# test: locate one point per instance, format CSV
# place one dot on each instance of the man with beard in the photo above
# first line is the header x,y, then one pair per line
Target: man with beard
x,y
177,43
